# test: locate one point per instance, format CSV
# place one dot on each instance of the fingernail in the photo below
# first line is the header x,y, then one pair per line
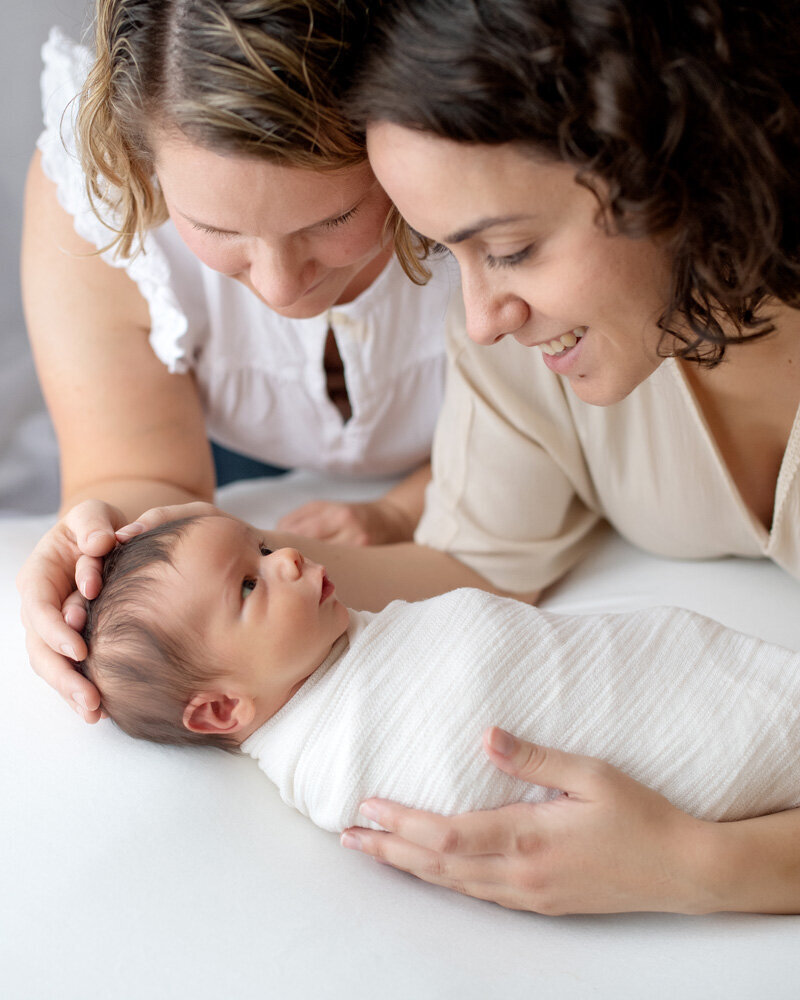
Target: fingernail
x,y
71,617
135,528
370,811
350,840
502,742
69,651
80,700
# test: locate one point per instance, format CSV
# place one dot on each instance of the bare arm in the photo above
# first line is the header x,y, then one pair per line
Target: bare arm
x,y
367,577
129,432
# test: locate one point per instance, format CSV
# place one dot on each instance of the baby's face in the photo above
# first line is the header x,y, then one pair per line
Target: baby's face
x,y
267,619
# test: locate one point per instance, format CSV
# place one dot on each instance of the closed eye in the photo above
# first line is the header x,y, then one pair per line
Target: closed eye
x,y
221,233
341,220
511,259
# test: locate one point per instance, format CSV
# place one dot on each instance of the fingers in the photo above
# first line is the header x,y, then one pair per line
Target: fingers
x,y
42,600
341,523
160,515
569,772
89,575
57,671
92,525
476,833
476,876
73,611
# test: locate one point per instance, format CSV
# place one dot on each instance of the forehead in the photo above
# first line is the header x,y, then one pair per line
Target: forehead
x,y
227,189
441,186
205,554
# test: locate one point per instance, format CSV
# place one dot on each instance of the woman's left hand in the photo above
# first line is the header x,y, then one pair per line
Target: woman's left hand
x,y
607,845
380,522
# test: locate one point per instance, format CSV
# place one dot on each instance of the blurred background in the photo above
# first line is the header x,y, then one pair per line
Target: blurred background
x,y
28,458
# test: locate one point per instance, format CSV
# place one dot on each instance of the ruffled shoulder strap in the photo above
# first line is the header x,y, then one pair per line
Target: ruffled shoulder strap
x,y
66,65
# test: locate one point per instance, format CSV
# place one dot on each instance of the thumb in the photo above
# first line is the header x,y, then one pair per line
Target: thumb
x,y
535,764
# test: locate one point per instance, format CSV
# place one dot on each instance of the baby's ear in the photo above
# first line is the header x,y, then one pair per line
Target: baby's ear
x,y
215,712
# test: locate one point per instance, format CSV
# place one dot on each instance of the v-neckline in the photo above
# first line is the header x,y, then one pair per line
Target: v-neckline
x,y
790,462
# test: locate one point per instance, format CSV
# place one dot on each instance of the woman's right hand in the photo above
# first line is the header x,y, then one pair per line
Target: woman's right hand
x,y
68,556
65,567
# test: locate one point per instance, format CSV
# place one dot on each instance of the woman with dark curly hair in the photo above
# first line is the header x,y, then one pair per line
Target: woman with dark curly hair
x,y
620,184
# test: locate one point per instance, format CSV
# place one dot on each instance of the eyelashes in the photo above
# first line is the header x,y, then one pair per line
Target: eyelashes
x,y
342,219
249,583
222,234
511,259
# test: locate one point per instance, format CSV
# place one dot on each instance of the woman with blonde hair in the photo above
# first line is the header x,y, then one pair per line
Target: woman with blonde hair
x,y
208,254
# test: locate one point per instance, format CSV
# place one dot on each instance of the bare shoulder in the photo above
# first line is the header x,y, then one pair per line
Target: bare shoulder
x,y
59,265
119,414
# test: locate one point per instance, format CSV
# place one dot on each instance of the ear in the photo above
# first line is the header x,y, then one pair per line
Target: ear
x,y
215,712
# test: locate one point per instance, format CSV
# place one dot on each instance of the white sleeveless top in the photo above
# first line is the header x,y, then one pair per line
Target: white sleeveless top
x,y
261,376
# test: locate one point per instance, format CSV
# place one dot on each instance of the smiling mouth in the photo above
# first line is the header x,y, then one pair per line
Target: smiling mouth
x,y
327,589
562,343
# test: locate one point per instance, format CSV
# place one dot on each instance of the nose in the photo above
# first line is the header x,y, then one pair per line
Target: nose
x,y
492,312
281,274
287,564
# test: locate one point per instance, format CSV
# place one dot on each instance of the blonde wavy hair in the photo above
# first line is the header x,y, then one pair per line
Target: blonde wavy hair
x,y
254,77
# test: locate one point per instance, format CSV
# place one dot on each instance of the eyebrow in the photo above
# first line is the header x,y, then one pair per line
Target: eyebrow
x,y
498,220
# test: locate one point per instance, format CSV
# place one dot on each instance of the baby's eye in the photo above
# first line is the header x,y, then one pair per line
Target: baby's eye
x,y
248,586
264,550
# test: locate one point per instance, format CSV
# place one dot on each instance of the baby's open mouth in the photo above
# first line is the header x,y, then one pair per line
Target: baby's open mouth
x,y
327,588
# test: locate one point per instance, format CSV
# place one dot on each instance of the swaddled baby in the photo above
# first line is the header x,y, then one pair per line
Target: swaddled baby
x,y
201,635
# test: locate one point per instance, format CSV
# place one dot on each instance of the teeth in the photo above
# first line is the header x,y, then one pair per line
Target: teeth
x,y
565,341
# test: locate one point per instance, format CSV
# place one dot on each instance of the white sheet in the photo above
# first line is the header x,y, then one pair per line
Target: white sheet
x,y
131,871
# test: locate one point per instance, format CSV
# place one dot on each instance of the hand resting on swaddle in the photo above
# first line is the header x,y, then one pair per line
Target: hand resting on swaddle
x,y
201,635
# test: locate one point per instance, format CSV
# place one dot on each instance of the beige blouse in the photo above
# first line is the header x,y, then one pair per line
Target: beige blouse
x,y
525,472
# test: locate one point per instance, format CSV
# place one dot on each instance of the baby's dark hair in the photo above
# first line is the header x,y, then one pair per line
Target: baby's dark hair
x,y
146,665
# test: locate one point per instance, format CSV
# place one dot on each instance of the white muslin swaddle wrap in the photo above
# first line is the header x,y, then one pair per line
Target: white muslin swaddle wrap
x,y
705,715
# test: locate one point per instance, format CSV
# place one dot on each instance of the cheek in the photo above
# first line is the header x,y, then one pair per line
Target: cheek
x,y
217,253
351,242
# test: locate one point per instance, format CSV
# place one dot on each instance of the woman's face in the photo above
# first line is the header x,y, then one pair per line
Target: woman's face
x,y
534,262
301,240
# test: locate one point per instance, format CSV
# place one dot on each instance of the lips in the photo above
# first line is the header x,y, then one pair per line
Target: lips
x,y
327,589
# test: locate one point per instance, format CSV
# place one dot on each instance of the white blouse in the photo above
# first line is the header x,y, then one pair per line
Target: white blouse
x,y
261,376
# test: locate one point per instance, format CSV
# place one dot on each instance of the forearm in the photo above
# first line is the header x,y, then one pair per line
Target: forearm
x,y
748,866
369,577
133,496
407,499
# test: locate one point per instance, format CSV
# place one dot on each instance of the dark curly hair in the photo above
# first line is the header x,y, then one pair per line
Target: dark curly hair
x,y
681,117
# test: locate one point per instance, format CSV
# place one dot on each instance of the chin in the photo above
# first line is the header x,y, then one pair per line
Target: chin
x,y
588,391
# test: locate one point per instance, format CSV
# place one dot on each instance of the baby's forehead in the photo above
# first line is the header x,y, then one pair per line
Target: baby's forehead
x,y
203,556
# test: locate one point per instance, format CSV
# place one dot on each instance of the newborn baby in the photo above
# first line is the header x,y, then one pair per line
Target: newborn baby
x,y
202,635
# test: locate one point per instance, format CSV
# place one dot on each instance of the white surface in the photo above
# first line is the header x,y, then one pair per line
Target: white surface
x,y
130,871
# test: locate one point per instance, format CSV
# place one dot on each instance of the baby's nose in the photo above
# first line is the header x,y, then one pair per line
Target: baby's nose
x,y
291,562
